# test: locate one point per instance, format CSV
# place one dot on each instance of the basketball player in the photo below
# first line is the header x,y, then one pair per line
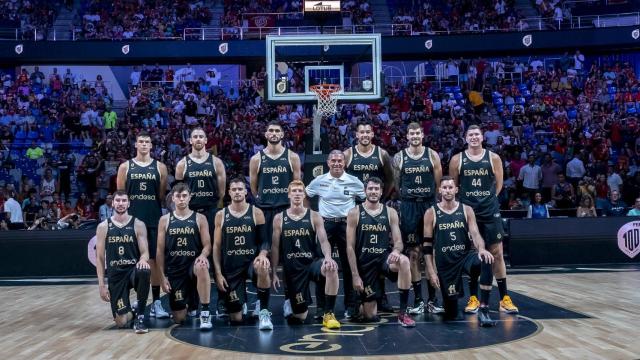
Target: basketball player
x,y
364,161
205,174
297,233
368,242
123,239
184,245
479,174
417,170
238,237
145,181
270,172
448,252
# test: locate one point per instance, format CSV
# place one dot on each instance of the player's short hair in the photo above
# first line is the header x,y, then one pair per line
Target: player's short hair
x,y
375,180
142,133
473,127
296,182
363,123
196,129
119,193
446,178
238,180
274,123
179,188
414,126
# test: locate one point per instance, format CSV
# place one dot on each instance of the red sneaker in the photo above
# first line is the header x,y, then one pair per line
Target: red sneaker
x,y
405,320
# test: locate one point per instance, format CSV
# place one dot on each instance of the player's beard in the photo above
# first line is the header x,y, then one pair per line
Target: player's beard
x,y
120,212
274,142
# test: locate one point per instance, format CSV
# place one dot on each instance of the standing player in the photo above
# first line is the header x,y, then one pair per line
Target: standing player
x,y
368,242
123,239
238,236
447,227
270,172
479,174
183,247
364,161
417,170
207,180
297,234
145,181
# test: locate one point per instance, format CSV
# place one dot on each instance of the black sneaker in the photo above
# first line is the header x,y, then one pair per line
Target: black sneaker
x,y
139,327
319,314
350,313
484,318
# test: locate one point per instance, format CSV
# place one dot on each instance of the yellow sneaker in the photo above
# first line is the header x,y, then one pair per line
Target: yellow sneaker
x,y
506,305
472,305
330,322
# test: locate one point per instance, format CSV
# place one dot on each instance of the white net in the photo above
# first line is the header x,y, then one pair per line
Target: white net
x,y
327,98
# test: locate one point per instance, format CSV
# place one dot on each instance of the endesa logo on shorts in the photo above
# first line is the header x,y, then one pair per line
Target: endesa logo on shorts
x,y
629,238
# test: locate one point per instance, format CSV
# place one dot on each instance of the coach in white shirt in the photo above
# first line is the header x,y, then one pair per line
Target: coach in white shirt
x,y
12,207
336,191
575,170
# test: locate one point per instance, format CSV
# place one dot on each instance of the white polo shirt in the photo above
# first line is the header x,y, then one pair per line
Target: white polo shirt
x,y
11,206
336,195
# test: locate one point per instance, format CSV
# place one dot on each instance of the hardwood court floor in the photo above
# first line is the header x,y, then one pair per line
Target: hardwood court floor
x,y
71,322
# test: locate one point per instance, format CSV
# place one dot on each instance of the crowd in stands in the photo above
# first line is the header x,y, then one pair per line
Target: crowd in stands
x,y
567,133
457,15
29,15
127,19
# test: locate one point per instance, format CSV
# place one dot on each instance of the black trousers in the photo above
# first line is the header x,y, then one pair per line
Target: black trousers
x,y
337,236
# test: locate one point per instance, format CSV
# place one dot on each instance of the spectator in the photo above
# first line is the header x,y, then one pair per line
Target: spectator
x,y
538,209
635,210
615,206
575,170
110,119
550,171
34,152
614,181
13,208
47,186
586,207
530,175
106,209
563,194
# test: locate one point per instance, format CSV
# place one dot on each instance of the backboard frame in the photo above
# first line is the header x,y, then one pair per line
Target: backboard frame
x,y
377,76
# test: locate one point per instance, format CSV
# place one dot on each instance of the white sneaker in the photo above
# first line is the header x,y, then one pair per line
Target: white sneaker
x,y
286,308
205,320
265,320
256,310
158,310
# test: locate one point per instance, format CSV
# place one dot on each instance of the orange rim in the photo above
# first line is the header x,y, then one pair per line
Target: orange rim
x,y
325,89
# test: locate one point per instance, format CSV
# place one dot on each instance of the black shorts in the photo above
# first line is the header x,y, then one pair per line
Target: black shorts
x,y
412,221
450,275
183,289
152,241
370,274
119,291
492,231
297,284
269,214
236,294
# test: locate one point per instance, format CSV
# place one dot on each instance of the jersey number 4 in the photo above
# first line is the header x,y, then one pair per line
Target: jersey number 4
x,y
476,182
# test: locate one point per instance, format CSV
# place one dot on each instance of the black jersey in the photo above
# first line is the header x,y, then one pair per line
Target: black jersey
x,y
298,242
274,176
478,186
143,187
451,237
373,237
203,183
121,248
239,241
182,244
417,180
364,167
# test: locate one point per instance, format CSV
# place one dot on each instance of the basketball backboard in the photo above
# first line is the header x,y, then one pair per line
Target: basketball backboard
x,y
296,62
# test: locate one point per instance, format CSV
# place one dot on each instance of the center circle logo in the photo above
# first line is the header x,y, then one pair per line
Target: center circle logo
x,y
386,337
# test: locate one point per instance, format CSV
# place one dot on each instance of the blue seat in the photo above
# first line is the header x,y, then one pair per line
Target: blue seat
x,y
458,96
612,90
572,113
498,101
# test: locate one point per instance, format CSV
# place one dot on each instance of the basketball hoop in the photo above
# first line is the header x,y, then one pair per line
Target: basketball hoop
x,y
327,98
